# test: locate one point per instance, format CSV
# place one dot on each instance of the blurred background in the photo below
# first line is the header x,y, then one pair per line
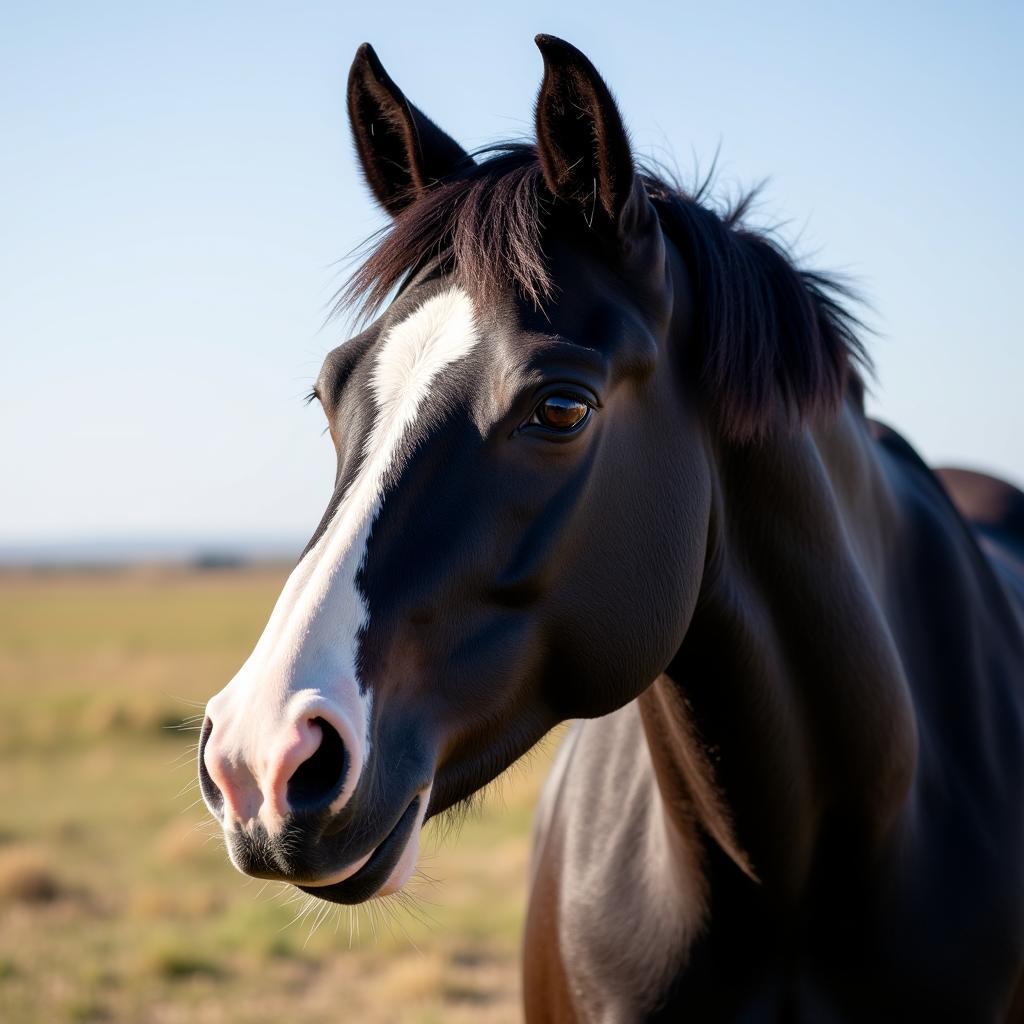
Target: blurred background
x,y
178,201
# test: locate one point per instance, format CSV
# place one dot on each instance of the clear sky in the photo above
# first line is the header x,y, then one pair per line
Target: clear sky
x,y
177,186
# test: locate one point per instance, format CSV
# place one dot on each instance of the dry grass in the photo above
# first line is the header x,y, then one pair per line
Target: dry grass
x,y
116,899
26,877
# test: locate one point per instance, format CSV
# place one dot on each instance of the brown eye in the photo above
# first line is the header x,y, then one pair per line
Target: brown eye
x,y
561,412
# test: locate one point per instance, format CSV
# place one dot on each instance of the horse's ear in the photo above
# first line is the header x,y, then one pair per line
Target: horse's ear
x,y
401,150
581,141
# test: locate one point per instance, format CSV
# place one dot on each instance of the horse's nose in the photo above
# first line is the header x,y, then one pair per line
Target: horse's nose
x,y
312,771
304,771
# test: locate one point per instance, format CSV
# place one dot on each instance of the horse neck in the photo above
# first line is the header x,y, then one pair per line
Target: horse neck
x,y
786,711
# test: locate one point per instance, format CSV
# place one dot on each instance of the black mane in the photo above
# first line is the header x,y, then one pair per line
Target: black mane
x,y
769,332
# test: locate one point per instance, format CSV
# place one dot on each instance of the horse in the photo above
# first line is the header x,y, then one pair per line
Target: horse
x,y
602,456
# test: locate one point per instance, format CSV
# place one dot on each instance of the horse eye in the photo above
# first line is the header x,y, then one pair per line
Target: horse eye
x,y
561,412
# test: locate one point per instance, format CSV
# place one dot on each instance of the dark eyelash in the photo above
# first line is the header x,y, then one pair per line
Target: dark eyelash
x,y
314,396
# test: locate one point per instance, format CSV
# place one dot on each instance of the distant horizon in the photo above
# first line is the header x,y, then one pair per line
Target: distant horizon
x,y
126,546
152,549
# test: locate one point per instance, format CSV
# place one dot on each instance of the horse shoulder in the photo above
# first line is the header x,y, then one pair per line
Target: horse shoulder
x,y
614,902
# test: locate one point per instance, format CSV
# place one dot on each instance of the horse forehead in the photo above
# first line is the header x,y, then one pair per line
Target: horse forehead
x,y
440,330
396,369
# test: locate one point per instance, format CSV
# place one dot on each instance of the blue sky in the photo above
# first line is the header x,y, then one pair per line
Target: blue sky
x,y
177,187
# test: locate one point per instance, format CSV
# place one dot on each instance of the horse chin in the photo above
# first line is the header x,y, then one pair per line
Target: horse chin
x,y
385,870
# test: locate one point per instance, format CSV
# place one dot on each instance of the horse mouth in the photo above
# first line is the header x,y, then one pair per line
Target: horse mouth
x,y
371,876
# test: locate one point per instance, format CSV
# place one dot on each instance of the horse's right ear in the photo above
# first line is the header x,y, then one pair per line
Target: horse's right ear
x,y
401,150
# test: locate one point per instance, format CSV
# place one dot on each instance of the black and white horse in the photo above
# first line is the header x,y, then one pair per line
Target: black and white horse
x,y
603,456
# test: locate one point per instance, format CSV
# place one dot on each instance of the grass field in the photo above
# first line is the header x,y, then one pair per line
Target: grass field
x,y
117,901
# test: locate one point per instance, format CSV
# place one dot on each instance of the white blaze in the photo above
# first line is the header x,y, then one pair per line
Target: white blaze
x,y
307,655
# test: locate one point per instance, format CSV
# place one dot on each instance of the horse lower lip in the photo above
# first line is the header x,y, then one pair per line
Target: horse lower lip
x,y
373,874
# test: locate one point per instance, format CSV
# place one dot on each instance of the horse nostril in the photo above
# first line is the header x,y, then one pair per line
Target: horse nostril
x,y
319,778
210,790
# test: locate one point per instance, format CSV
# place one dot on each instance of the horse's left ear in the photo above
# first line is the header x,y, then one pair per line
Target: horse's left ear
x,y
401,150
582,143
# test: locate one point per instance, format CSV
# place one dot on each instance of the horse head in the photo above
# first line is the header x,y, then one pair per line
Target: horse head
x,y
519,526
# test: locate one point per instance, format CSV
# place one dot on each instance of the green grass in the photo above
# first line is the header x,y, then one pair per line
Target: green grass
x,y
117,902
